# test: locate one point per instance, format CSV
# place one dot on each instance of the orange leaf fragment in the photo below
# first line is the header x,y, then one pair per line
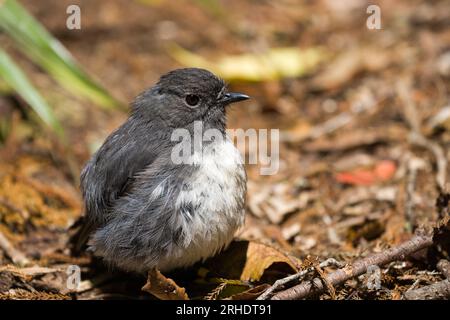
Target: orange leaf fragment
x,y
383,171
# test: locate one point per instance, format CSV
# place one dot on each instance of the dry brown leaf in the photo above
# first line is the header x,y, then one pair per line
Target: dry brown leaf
x,y
276,201
360,194
260,257
163,288
250,261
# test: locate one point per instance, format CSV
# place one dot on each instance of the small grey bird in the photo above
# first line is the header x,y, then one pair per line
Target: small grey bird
x,y
143,210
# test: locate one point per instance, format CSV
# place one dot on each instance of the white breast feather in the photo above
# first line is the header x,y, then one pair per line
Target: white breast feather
x,y
218,212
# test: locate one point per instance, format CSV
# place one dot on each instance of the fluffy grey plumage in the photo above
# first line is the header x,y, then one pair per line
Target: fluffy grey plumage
x,y
145,211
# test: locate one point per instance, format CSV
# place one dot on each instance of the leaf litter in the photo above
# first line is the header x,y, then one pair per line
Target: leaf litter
x,y
349,187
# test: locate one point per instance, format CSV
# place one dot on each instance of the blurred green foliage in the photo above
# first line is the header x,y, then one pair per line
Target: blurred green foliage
x,y
34,41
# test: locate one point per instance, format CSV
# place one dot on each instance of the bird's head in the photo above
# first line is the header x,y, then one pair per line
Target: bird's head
x,y
183,96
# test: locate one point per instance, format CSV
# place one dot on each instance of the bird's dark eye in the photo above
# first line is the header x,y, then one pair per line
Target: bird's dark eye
x,y
192,99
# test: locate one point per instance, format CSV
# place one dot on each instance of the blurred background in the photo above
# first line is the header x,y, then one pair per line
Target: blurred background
x,y
363,114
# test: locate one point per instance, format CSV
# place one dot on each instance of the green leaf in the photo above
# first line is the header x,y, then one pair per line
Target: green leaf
x,y
18,81
46,51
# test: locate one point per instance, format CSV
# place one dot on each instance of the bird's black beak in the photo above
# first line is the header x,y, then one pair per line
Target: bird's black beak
x,y
231,97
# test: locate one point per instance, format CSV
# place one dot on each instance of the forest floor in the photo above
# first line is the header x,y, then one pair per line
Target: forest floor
x,y
364,150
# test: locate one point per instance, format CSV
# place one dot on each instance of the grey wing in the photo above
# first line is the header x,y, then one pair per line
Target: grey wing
x,y
111,171
146,221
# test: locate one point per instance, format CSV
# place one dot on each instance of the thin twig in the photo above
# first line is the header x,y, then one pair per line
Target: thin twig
x,y
416,137
359,267
439,154
282,282
414,285
414,165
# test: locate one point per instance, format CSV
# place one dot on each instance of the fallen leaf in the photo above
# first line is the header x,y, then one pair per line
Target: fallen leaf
x,y
385,170
360,194
163,288
250,261
260,257
381,172
274,64
276,201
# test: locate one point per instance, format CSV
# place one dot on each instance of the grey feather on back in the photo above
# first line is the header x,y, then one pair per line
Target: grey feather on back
x,y
112,170
144,217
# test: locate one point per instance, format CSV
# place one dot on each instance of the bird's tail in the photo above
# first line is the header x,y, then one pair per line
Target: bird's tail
x,y
82,230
